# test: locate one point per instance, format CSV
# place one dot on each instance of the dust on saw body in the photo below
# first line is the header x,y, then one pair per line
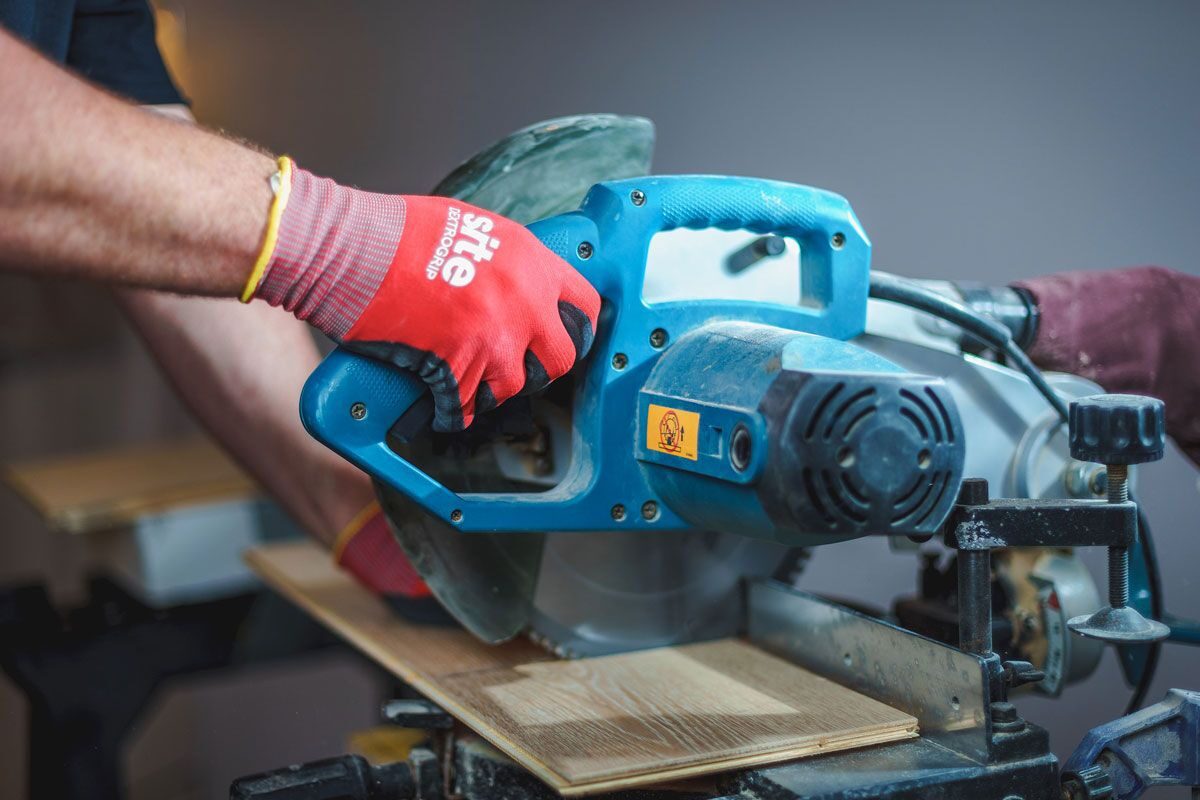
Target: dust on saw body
x,y
756,418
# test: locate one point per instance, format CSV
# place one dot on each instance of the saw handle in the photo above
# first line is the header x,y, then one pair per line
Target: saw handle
x,y
834,251
350,402
353,401
733,204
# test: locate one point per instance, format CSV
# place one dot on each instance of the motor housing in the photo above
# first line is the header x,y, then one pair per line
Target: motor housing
x,y
816,439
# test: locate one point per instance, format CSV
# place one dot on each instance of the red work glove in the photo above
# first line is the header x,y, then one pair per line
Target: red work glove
x,y
470,301
367,550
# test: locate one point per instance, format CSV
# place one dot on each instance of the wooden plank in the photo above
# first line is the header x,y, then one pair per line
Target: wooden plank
x,y
304,573
102,491
598,724
677,710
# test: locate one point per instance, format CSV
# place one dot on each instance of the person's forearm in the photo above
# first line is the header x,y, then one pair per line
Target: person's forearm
x,y
240,370
93,187
1130,330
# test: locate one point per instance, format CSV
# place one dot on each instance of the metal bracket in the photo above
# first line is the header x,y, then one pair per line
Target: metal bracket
x,y
1041,523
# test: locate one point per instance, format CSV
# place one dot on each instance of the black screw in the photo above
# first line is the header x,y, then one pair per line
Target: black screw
x,y
585,250
637,197
839,240
658,338
358,410
456,516
618,512
1118,557
1117,430
620,361
649,510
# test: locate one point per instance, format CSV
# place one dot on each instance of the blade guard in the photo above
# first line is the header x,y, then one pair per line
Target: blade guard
x,y
350,402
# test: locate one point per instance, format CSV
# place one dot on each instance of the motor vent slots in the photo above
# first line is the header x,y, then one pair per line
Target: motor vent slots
x,y
876,453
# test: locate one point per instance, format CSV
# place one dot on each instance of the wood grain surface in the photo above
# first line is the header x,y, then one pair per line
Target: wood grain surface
x,y
102,491
598,724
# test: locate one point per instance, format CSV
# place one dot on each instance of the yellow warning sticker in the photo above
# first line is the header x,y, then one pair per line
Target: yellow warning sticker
x,y
673,431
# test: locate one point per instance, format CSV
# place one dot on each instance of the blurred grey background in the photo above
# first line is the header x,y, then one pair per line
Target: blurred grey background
x,y
975,141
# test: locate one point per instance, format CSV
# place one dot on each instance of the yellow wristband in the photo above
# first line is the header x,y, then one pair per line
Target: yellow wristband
x,y
352,527
284,188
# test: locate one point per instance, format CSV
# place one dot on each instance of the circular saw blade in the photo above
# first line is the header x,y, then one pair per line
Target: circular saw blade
x,y
547,168
576,593
601,593
485,581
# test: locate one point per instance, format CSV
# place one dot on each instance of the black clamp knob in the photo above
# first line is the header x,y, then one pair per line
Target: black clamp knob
x,y
1019,673
1089,783
1117,429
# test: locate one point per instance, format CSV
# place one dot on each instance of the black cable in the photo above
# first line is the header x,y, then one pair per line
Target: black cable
x,y
1154,581
907,293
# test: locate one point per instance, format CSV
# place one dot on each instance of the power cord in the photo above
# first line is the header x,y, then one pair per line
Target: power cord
x,y
907,293
1154,584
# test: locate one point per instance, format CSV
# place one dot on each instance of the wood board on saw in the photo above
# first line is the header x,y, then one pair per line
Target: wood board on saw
x,y
598,724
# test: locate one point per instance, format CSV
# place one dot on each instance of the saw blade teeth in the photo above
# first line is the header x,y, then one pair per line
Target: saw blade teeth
x,y
549,645
537,638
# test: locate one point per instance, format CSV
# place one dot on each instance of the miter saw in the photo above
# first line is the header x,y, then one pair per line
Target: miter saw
x,y
594,593
744,402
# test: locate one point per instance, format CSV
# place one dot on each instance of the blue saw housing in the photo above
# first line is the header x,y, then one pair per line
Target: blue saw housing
x,y
687,414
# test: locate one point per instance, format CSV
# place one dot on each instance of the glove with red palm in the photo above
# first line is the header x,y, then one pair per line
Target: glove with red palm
x,y
469,300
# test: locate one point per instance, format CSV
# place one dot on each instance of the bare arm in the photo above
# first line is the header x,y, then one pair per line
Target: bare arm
x,y
92,187
240,369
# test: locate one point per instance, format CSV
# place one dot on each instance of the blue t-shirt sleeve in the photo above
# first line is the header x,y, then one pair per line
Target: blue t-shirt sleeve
x,y
112,44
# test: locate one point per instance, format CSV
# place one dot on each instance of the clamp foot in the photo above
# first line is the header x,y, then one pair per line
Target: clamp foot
x,y
1119,625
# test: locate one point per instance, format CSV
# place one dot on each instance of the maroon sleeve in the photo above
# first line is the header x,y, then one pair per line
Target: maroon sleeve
x,y
1134,331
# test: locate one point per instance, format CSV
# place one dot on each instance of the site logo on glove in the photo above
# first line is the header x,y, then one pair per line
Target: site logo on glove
x,y
455,269
506,317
